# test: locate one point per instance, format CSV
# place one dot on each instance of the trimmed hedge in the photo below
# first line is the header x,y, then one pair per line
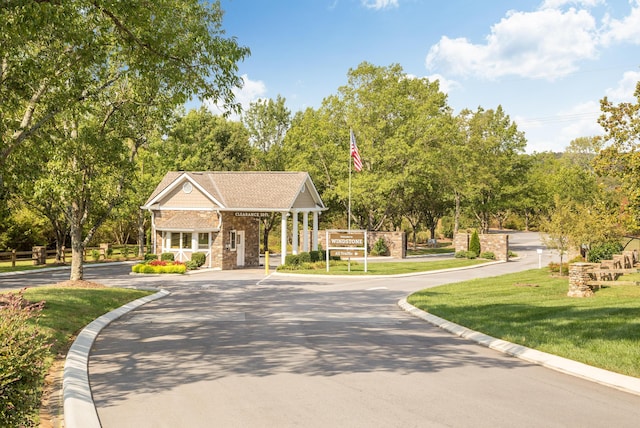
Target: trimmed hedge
x,y
168,268
199,258
474,244
168,257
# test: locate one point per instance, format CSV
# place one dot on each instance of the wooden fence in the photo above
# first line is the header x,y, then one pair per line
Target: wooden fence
x,y
40,255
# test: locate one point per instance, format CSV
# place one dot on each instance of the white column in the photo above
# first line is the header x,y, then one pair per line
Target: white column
x,y
305,231
283,237
294,233
315,231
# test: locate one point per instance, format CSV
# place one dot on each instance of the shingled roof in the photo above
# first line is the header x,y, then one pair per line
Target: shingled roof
x,y
250,191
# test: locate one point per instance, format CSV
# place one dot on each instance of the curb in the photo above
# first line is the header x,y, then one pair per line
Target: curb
x,y
399,275
79,409
618,381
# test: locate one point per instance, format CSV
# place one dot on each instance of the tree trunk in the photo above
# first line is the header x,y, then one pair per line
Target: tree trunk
x,y
141,234
77,247
456,216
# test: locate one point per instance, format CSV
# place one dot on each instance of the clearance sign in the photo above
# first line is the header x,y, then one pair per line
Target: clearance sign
x,y
347,243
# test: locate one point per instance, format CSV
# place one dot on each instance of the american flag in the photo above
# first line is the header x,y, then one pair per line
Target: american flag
x,y
357,162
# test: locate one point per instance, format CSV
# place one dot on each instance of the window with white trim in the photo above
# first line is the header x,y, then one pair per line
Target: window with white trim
x,y
203,240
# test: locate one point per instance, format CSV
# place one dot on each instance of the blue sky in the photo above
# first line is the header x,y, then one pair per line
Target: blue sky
x,y
547,62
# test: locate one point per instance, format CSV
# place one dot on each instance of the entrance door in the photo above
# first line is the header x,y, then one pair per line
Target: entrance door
x,y
240,248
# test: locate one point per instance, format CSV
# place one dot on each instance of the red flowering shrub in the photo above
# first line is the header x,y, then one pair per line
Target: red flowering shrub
x,y
157,263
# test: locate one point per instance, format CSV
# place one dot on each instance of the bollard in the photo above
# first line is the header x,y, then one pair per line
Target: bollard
x,y
266,263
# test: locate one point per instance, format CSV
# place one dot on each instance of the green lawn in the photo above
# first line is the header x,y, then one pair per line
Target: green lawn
x,y
428,251
388,268
532,309
66,312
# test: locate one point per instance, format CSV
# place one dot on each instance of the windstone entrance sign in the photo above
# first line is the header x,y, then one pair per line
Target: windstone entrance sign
x,y
347,243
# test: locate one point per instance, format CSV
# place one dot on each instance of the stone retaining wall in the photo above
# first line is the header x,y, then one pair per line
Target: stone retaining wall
x,y
396,242
496,243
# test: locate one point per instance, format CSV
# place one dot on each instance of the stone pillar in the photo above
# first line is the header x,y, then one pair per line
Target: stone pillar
x,y
39,255
105,250
283,238
578,280
305,231
294,233
315,231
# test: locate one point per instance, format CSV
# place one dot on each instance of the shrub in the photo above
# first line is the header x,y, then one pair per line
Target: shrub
x,y
380,248
555,268
176,267
604,251
167,257
109,252
157,263
292,260
95,255
461,255
474,243
126,251
304,257
471,254
576,259
22,361
488,255
149,256
191,264
315,256
199,258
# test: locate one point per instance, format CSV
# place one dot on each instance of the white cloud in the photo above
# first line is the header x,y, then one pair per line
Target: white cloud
x,y
625,89
554,133
583,122
252,90
545,44
446,85
623,30
379,4
557,4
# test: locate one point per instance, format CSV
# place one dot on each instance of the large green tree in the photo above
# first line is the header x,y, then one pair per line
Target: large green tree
x,y
202,141
87,80
492,149
620,159
396,120
267,122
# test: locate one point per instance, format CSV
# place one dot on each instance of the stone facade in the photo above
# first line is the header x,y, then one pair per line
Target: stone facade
x,y
496,243
221,254
250,227
580,274
579,278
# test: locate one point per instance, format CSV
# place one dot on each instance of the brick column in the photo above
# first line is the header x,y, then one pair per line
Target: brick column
x,y
578,280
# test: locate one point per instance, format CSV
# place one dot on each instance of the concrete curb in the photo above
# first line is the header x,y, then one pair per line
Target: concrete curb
x,y
79,409
624,383
399,275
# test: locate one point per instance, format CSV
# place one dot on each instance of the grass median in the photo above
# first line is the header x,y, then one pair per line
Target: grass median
x,y
532,309
384,268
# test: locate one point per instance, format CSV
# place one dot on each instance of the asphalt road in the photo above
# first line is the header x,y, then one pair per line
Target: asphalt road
x,y
236,349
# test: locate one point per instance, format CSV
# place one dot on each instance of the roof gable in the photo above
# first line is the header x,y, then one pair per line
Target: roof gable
x,y
256,191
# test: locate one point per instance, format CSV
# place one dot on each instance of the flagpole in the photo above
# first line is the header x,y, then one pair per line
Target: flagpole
x,y
349,211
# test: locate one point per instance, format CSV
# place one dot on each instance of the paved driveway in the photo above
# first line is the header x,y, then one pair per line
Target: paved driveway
x,y
233,349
